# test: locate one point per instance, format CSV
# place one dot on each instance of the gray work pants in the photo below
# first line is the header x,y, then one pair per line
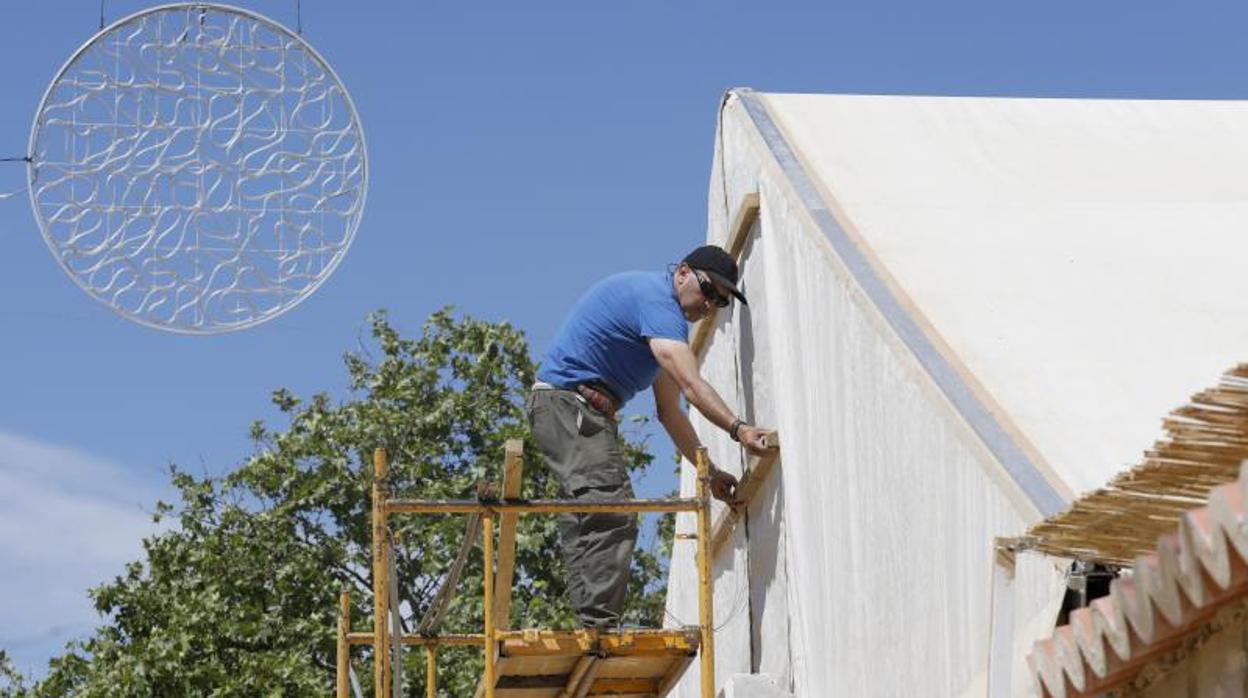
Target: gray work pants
x,y
582,447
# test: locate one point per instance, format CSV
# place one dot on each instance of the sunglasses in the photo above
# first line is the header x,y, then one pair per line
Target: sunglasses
x,y
711,293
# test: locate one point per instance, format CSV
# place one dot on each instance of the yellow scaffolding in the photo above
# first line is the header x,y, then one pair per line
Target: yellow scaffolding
x,y
664,652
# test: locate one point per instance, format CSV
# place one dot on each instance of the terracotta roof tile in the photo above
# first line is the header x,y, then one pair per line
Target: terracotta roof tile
x,y
1168,595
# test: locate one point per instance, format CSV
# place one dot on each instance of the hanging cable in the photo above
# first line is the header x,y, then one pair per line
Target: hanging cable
x,y
299,17
101,14
740,592
723,167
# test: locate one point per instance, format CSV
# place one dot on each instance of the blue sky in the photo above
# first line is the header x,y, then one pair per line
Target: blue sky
x,y
518,151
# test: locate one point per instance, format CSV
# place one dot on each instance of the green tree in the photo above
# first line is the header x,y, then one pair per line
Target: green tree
x,y
239,596
12,685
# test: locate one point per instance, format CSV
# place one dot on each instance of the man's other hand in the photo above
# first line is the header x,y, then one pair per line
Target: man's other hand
x,y
723,485
754,439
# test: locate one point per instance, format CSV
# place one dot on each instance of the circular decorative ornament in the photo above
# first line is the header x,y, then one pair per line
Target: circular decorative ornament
x,y
197,168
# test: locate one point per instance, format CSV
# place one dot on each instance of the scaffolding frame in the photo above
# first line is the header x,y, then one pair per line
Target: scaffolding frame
x,y
385,643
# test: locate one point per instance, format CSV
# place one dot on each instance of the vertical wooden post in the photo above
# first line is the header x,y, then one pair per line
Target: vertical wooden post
x,y
513,473
1001,622
431,671
344,649
706,586
381,594
487,527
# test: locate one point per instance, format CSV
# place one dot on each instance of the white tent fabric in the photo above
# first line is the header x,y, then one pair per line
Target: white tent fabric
x,y
964,311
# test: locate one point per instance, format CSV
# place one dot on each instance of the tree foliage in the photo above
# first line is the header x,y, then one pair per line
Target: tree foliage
x,y
238,596
12,685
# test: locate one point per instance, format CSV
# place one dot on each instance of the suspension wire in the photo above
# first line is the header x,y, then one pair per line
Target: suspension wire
x,y
101,14
15,192
298,17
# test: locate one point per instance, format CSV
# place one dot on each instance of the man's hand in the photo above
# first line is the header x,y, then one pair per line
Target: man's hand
x,y
723,485
753,438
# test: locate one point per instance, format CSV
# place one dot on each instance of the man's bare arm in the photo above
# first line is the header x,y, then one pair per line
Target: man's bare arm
x,y
677,361
674,419
676,423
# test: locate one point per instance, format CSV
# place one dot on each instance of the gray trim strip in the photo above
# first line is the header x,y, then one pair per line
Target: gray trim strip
x,y
1020,467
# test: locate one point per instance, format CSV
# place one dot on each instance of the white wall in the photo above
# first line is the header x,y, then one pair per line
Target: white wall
x,y
868,565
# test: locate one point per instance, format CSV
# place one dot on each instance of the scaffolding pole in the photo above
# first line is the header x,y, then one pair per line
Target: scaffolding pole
x,y
455,640
706,610
431,671
344,647
381,595
487,528
540,506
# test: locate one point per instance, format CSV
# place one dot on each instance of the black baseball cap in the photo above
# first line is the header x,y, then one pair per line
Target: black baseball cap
x,y
718,265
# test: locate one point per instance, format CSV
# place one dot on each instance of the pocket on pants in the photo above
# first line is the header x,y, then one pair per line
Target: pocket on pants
x,y
579,443
588,422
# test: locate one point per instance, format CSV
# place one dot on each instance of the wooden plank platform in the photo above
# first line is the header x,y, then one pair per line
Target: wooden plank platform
x,y
573,664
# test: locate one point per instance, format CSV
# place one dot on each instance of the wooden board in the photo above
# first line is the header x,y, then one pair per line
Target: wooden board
x,y
513,474
541,665
742,222
757,471
634,666
568,664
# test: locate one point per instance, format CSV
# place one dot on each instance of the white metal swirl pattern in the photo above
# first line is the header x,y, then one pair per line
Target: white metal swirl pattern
x,y
197,168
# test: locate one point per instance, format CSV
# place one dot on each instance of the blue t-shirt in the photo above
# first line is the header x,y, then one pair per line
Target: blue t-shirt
x,y
605,338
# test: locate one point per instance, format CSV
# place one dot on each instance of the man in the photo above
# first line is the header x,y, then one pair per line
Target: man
x,y
630,331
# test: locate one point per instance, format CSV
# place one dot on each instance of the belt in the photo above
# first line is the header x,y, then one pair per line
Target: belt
x,y
598,398
592,394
